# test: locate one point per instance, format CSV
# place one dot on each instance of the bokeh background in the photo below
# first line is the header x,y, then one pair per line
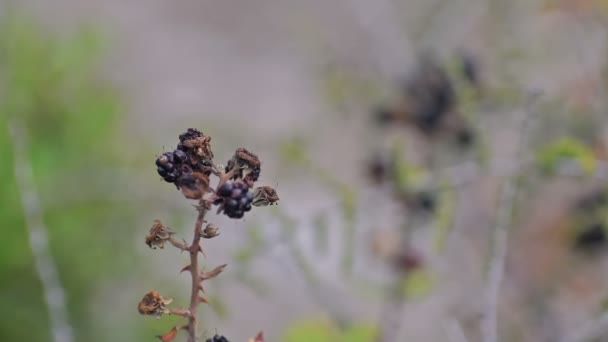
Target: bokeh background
x,y
495,236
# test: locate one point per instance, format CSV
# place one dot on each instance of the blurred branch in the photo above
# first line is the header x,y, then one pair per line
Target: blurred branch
x,y
46,268
395,299
489,324
590,331
454,331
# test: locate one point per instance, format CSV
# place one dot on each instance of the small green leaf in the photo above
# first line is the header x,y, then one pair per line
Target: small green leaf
x,y
294,151
417,284
550,156
444,216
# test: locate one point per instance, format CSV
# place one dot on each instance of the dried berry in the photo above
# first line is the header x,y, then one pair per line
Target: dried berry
x,y
158,235
153,304
190,134
264,195
244,165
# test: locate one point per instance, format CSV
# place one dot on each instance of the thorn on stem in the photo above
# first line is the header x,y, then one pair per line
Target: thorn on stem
x,y
186,268
213,273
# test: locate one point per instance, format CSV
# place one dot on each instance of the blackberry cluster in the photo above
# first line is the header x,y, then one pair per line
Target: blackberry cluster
x,y
217,338
235,198
172,165
177,166
591,237
432,95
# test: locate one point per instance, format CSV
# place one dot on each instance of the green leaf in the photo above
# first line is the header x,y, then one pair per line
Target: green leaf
x,y
550,156
444,216
417,284
360,332
294,151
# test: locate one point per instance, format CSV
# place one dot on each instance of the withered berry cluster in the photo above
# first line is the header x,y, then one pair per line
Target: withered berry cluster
x,y
429,102
383,170
191,164
189,167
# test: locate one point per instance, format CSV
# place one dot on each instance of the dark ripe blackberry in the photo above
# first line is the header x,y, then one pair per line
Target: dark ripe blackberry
x,y
377,170
592,237
191,133
235,197
217,338
426,201
180,156
162,172
236,193
181,147
169,167
226,189
170,178
236,214
231,204
465,137
432,95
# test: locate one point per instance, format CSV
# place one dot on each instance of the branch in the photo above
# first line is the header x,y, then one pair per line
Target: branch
x,y
37,236
195,248
489,329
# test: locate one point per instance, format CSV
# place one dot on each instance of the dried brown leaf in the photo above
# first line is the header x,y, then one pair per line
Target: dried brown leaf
x,y
169,336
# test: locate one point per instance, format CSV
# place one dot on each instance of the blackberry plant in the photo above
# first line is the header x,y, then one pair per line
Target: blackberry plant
x,y
190,168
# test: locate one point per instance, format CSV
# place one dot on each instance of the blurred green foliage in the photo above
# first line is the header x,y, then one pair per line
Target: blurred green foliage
x,y
49,84
550,156
323,330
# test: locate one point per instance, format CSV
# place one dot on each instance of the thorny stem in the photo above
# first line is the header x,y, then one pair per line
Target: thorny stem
x,y
194,249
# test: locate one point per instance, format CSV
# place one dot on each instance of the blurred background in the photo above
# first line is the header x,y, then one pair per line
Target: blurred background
x,y
441,167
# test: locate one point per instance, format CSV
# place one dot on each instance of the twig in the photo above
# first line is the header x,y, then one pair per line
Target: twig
x,y
37,236
195,248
